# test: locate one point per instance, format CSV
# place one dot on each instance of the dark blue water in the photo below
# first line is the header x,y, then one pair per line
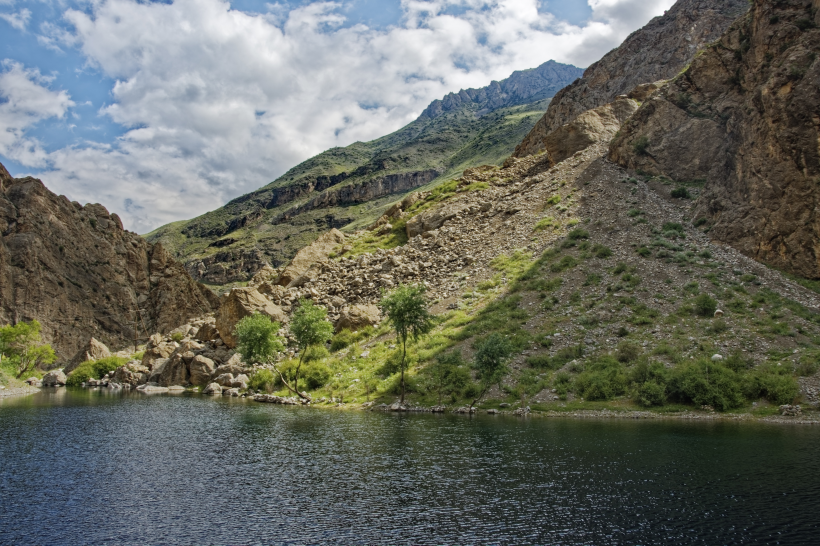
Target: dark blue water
x,y
82,467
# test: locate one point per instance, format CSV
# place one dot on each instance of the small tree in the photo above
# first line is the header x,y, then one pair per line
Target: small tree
x,y
490,361
21,345
310,327
406,309
258,337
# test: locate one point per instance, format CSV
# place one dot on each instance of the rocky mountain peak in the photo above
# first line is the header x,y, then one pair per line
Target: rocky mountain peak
x,y
523,86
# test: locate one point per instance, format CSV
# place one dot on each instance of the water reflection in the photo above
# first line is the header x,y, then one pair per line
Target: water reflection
x,y
123,468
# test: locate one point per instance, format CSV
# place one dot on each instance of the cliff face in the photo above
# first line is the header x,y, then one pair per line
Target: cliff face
x,y
658,51
745,118
80,274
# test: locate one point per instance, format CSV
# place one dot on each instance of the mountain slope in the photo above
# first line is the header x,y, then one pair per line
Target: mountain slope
x,y
745,120
657,51
349,187
75,269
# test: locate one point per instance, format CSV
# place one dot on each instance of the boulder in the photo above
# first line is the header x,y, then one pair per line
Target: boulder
x,y
240,382
434,219
157,352
207,332
93,350
201,370
184,330
212,388
319,250
151,389
264,275
170,371
34,382
240,303
133,374
225,380
54,378
230,392
355,317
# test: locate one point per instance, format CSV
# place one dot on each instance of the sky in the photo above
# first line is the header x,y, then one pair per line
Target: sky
x,y
164,110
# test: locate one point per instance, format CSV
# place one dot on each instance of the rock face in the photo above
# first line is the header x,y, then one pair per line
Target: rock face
x,y
596,125
240,303
745,118
76,270
315,252
355,317
658,51
93,350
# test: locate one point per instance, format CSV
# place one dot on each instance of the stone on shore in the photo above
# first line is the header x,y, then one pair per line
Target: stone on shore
x,y
55,378
240,303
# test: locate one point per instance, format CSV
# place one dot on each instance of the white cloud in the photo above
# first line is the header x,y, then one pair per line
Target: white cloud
x,y
194,77
17,20
26,100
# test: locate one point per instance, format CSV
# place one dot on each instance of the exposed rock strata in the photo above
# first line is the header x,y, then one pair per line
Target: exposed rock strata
x,y
658,51
76,270
745,118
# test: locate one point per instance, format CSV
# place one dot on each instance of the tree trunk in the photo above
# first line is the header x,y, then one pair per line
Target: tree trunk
x,y
480,396
303,396
403,356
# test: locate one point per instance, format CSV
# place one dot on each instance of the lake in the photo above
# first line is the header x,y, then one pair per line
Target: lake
x,y
90,467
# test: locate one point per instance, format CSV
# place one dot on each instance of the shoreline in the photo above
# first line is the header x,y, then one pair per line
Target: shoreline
x,y
18,391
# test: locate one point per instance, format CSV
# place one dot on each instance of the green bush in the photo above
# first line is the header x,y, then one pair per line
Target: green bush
x,y
177,336
627,352
807,365
601,251
680,193
650,394
706,383
567,262
603,379
774,383
315,374
263,380
94,369
705,305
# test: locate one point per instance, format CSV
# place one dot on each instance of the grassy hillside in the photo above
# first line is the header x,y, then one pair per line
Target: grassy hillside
x,y
258,227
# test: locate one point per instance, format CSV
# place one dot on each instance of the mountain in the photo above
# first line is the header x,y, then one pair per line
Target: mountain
x,y
657,51
75,269
349,187
743,123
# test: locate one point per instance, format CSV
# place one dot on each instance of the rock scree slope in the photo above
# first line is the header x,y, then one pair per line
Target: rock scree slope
x,y
744,119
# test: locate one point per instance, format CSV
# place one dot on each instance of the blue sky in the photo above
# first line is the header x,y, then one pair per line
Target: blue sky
x,y
162,111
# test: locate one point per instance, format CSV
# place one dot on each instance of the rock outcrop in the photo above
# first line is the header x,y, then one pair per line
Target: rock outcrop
x,y
240,303
76,270
317,251
355,317
54,378
593,126
93,350
658,51
745,119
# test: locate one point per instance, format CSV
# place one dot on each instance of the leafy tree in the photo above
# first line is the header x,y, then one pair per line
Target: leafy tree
x,y
21,345
406,310
310,327
258,337
445,376
491,362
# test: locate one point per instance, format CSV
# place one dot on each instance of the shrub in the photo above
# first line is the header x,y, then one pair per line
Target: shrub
x,y
603,380
578,234
705,305
772,383
620,268
644,251
680,193
807,365
263,380
627,352
641,145
706,383
315,374
546,222
553,200
567,262
650,394
177,336
601,251
94,369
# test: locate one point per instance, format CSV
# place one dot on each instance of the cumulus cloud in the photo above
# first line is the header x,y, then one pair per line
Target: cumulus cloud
x,y
218,102
18,20
26,100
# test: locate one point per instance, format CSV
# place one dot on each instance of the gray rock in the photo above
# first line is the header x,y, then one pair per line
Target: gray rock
x,y
224,380
213,389
54,378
